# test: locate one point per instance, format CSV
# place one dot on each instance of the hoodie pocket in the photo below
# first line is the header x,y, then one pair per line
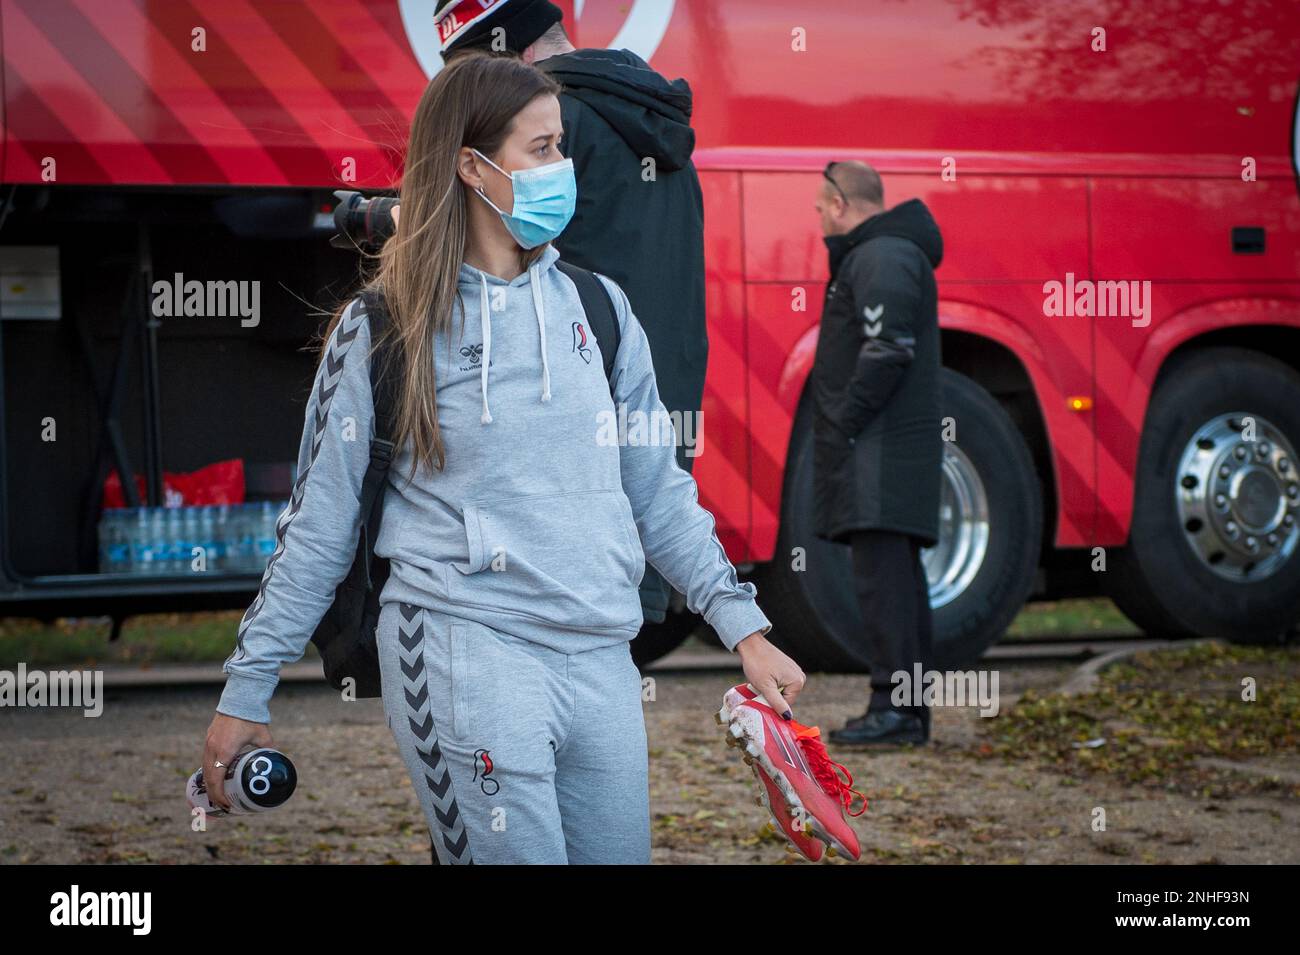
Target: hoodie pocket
x,y
572,558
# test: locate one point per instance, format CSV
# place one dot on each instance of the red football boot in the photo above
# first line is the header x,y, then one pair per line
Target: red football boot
x,y
801,784
791,826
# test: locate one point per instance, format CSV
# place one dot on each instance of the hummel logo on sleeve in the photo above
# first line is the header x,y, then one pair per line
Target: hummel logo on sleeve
x,y
873,321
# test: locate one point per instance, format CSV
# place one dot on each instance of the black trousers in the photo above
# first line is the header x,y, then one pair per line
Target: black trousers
x,y
894,597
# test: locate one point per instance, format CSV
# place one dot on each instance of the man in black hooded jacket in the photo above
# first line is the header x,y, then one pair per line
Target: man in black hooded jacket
x,y
640,211
877,443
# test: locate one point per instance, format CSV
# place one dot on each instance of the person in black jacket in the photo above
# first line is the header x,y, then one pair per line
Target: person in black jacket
x,y
640,212
878,447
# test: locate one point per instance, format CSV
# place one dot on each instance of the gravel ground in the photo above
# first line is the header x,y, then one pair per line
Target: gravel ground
x,y
109,790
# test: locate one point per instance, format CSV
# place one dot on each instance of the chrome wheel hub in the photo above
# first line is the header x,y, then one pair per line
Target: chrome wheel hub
x,y
952,563
1238,496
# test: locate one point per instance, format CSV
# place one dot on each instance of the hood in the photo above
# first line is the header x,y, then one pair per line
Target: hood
x,y
471,276
652,115
909,220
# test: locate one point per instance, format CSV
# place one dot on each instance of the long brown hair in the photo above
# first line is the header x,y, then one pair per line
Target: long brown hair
x,y
471,102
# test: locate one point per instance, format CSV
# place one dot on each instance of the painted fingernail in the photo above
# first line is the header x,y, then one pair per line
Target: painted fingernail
x,y
787,715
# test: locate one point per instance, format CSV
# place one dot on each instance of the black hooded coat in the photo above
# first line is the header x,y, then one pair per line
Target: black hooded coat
x,y
639,218
877,438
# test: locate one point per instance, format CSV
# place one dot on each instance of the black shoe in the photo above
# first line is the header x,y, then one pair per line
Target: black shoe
x,y
853,721
882,728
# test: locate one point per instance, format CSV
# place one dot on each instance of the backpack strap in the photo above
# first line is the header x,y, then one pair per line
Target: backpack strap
x,y
382,385
601,316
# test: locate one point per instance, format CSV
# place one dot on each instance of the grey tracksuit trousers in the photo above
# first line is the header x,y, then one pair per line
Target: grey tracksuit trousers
x,y
518,753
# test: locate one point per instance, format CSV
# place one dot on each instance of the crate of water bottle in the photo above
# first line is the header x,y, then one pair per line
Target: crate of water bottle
x,y
188,541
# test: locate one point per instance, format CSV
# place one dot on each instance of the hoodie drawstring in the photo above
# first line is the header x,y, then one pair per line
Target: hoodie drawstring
x,y
487,348
541,328
486,319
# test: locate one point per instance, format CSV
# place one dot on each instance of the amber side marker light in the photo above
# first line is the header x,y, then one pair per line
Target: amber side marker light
x,y
1079,403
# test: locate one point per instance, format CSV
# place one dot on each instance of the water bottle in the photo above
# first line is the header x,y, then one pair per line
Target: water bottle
x,y
138,527
220,536
260,779
158,539
131,528
192,534
120,549
174,541
146,539
266,519
162,548
245,534
110,541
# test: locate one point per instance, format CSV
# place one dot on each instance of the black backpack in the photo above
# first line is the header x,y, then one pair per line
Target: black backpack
x,y
345,636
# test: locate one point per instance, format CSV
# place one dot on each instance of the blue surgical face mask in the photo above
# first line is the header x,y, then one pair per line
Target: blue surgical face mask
x,y
544,201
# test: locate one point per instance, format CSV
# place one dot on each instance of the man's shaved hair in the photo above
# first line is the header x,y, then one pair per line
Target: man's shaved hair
x,y
859,182
554,40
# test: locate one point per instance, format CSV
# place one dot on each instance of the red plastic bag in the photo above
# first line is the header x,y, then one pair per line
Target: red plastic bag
x,y
220,483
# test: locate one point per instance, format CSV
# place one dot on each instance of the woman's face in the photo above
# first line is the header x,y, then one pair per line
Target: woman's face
x,y
534,140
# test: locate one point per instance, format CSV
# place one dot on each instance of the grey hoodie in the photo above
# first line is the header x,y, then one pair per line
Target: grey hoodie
x,y
542,520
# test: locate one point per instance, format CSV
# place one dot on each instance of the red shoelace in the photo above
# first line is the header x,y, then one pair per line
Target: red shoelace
x,y
826,770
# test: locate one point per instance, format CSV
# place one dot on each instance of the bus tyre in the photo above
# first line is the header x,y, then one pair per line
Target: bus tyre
x,y
1212,549
656,640
980,572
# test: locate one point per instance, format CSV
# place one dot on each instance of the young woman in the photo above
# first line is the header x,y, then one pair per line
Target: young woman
x,y
517,532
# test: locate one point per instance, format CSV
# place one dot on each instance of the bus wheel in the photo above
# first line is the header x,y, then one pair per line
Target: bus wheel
x,y
1216,510
980,572
656,640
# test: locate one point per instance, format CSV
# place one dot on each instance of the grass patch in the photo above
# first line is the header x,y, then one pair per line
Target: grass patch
x,y
210,636
1065,618
1088,617
1159,713
151,638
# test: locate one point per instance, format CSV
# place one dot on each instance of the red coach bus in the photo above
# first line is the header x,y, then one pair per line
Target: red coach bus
x,y
1120,296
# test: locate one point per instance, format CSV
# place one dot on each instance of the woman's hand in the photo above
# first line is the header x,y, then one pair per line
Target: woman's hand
x,y
771,673
226,737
